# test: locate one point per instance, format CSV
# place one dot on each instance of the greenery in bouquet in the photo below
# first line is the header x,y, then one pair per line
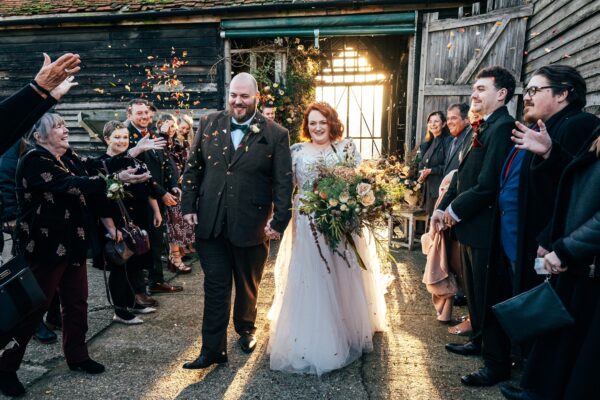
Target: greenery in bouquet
x,y
342,202
115,189
399,179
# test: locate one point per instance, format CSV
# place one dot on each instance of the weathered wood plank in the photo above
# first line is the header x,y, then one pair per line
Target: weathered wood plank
x,y
493,16
422,76
490,40
566,18
558,50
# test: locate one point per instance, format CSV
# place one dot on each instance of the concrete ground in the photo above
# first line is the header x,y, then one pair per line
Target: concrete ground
x,y
144,361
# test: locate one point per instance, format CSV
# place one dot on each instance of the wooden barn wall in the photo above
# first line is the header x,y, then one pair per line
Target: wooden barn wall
x,y
114,63
566,32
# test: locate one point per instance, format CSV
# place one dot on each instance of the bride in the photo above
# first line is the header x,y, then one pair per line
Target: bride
x,y
321,320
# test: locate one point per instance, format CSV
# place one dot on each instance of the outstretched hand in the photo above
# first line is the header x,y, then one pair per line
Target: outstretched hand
x,y
129,176
538,143
146,143
52,74
64,87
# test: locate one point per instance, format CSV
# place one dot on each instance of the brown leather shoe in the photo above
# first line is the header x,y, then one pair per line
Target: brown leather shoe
x,y
164,287
144,300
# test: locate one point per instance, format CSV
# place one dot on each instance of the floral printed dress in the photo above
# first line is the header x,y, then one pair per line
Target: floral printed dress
x,y
53,222
321,320
180,232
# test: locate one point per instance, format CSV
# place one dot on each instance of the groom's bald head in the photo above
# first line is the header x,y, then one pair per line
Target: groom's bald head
x,y
243,96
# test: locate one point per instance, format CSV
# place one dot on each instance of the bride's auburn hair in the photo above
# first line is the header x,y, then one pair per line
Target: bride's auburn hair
x,y
336,129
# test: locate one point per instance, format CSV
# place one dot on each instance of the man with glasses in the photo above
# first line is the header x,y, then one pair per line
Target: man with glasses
x,y
553,101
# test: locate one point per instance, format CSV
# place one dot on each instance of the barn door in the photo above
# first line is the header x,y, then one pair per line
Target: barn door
x,y
453,50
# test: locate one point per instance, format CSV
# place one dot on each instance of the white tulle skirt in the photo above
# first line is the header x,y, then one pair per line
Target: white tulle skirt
x,y
323,320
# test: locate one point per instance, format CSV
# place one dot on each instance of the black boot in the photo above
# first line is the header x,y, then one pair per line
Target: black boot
x,y
10,384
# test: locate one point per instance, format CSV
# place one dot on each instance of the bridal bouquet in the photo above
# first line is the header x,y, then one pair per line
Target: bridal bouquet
x,y
343,201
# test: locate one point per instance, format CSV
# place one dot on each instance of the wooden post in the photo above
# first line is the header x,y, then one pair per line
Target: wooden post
x,y
227,60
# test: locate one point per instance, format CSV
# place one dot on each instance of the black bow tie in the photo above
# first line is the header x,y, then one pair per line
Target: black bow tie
x,y
243,128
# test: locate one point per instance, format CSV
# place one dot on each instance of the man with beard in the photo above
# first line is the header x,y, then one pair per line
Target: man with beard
x,y
553,102
166,189
472,193
237,189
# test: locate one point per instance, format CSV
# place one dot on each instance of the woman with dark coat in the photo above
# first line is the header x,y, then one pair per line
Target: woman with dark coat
x,y
562,365
53,232
123,282
431,166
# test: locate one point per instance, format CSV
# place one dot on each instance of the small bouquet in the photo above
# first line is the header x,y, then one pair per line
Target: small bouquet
x,y
343,201
399,180
115,189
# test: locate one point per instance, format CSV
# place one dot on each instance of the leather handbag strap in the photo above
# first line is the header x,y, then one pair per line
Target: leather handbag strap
x,y
122,209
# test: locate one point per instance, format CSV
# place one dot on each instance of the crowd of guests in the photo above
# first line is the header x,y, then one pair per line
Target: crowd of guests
x,y
64,215
500,194
518,191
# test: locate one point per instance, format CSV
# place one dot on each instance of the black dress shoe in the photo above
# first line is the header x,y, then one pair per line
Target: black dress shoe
x,y
485,377
90,366
247,342
10,384
205,361
510,392
468,349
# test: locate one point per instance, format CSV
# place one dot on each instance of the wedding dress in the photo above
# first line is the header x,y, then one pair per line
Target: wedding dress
x,y
321,320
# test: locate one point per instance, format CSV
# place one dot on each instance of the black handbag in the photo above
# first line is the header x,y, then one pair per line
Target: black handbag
x,y
20,293
533,313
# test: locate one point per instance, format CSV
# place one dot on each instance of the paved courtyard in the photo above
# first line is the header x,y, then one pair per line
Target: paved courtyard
x,y
144,361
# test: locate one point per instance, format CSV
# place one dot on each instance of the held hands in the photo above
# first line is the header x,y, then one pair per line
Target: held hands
x,y
552,263
191,219
424,174
538,143
177,192
449,221
541,252
129,176
145,144
271,233
52,74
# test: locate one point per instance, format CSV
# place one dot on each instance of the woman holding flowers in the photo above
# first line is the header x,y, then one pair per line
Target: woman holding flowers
x,y
326,307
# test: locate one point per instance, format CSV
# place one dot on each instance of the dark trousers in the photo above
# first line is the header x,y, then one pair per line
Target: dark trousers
x,y
157,247
496,344
121,283
474,264
223,262
71,282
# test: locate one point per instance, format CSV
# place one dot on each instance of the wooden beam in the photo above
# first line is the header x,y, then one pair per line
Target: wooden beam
x,y
493,16
489,40
410,94
422,73
457,90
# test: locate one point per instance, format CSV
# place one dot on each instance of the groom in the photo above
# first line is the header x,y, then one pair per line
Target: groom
x,y
237,189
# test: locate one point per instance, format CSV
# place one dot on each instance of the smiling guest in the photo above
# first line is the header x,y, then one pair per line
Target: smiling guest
x,y
553,101
53,235
467,205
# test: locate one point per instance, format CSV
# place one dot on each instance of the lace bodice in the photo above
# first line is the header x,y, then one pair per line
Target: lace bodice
x,y
305,157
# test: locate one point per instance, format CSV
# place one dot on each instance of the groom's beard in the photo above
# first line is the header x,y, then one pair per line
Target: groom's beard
x,y
241,112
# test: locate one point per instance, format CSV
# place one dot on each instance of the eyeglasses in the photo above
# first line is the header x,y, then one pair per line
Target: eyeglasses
x,y
531,91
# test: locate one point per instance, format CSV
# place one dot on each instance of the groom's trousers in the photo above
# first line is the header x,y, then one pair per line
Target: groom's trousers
x,y
224,264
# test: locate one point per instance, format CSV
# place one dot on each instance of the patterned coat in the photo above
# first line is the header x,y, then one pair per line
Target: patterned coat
x,y
53,217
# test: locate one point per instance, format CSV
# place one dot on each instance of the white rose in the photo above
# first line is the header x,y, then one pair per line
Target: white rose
x,y
114,187
344,197
333,202
363,188
368,199
344,207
